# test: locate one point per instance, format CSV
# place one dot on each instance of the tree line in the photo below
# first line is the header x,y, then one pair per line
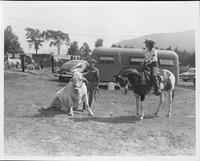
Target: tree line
x,y
36,38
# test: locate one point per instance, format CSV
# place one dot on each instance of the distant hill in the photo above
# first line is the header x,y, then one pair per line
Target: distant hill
x,y
183,40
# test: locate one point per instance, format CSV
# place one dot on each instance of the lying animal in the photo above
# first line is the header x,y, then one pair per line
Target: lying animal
x,y
72,95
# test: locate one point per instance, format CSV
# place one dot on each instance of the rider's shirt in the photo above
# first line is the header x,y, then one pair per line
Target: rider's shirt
x,y
150,56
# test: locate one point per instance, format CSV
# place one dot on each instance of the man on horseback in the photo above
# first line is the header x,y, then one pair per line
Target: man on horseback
x,y
151,61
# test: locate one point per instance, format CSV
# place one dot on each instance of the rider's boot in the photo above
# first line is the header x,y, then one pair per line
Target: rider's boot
x,y
157,89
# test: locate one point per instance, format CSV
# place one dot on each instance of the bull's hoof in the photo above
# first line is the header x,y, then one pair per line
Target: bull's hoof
x,y
90,114
168,115
141,118
70,114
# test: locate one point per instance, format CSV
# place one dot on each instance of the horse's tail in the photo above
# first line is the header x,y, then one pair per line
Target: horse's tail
x,y
173,94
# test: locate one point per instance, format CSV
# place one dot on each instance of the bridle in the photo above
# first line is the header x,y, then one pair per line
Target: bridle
x,y
78,86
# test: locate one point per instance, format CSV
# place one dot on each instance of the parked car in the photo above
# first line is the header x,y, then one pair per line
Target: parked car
x,y
188,76
194,81
65,71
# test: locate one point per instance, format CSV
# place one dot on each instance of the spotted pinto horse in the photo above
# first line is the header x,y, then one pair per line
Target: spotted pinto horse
x,y
142,85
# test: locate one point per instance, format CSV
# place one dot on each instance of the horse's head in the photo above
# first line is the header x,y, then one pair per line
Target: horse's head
x,y
127,76
123,83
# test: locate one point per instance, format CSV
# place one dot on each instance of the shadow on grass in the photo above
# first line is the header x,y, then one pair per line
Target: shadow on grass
x,y
112,120
51,112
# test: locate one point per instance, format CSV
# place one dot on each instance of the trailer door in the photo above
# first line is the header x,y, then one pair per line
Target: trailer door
x,y
108,66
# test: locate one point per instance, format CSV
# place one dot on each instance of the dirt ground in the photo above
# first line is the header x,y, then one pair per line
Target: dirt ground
x,y
113,131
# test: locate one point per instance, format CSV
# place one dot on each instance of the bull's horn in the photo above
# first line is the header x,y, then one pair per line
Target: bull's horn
x,y
85,80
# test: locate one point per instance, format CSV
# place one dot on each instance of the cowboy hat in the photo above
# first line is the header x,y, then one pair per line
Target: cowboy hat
x,y
149,42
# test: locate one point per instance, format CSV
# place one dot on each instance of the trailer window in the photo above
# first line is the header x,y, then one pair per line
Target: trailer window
x,y
166,62
136,61
106,59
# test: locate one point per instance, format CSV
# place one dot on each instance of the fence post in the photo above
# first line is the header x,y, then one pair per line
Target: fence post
x,y
22,57
52,63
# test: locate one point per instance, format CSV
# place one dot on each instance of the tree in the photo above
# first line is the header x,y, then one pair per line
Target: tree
x,y
185,58
11,43
99,43
85,50
114,46
191,59
56,38
73,48
169,48
119,46
35,38
176,49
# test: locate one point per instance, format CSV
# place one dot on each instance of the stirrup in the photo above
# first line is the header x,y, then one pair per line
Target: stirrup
x,y
157,92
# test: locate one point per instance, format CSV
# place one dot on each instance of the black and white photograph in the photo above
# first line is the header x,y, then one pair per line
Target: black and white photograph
x,y
100,79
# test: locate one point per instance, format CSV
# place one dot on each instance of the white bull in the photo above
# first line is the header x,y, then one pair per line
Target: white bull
x,y
72,95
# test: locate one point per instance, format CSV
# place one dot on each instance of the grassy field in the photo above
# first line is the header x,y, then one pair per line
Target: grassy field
x,y
113,131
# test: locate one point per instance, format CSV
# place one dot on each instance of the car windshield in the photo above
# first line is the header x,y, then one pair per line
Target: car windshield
x,y
191,70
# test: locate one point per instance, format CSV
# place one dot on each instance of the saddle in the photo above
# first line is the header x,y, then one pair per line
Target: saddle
x,y
147,78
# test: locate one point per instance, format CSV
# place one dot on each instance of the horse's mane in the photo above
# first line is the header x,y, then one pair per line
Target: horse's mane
x,y
122,70
127,70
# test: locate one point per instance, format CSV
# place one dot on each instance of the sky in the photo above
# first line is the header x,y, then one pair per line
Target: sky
x,y
88,21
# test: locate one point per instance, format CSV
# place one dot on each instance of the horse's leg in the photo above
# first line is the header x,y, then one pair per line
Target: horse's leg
x,y
160,103
13,64
8,65
142,107
142,110
170,102
137,105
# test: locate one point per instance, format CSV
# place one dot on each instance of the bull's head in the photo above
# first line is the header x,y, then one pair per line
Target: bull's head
x,y
123,83
77,82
